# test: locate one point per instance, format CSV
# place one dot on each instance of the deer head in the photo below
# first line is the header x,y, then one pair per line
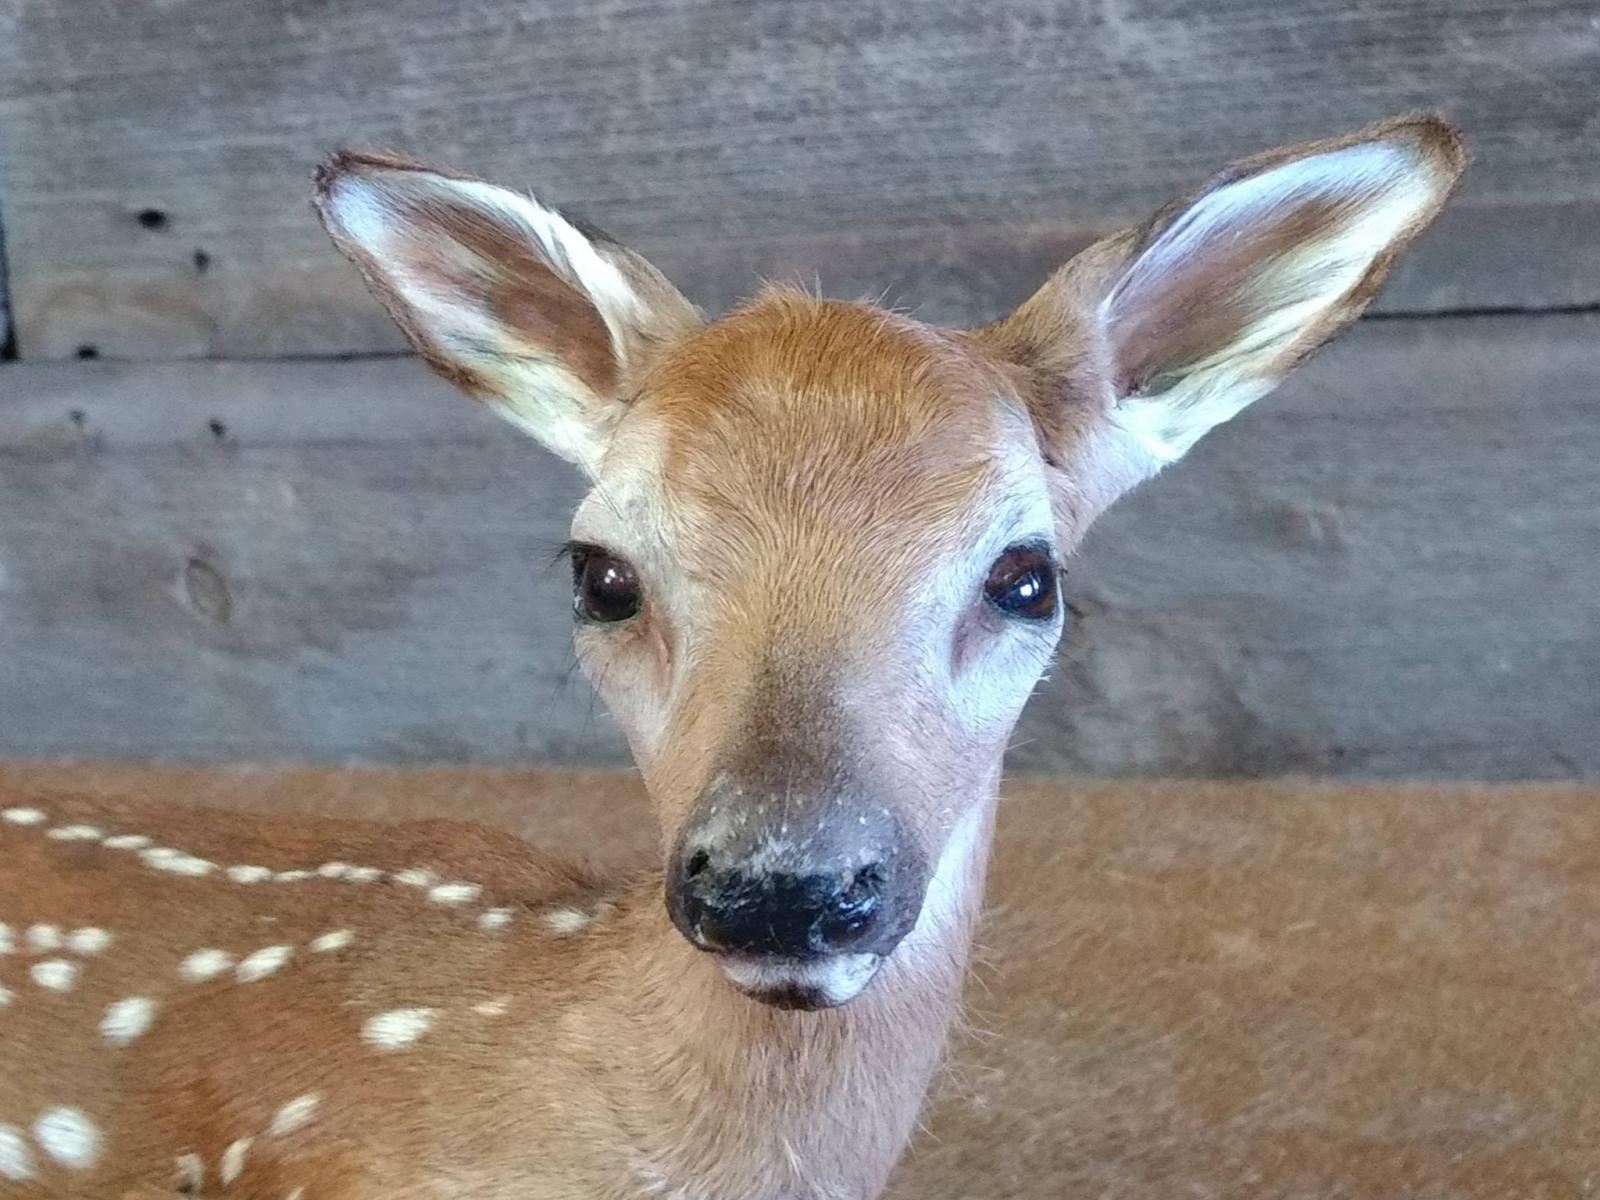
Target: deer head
x,y
817,573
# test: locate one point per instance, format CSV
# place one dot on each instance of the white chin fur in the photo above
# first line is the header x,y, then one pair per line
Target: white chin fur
x,y
802,983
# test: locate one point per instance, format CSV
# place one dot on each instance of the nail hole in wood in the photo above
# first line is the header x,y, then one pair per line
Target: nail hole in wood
x,y
87,351
218,427
151,218
202,261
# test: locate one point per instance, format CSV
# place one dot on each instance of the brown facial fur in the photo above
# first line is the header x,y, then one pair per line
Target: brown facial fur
x,y
805,436
819,460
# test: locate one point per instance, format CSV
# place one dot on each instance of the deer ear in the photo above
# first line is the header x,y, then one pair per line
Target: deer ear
x,y
1209,304
549,323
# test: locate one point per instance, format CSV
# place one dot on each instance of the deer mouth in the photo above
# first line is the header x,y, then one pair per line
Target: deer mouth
x,y
801,984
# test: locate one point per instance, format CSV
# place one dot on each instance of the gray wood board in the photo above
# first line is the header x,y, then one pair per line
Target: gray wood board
x,y
7,348
949,152
1387,569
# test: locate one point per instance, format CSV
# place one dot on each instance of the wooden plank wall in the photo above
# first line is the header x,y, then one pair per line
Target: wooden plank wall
x,y
155,156
1388,569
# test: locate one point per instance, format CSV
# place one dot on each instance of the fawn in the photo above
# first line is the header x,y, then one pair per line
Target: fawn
x,y
815,580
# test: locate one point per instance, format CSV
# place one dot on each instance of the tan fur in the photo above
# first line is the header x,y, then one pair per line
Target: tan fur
x,y
627,1031
817,455
1258,988
812,493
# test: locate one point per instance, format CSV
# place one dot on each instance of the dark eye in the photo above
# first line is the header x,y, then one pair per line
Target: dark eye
x,y
1022,583
604,587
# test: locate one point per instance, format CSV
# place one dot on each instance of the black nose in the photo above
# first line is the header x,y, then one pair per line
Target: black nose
x,y
742,911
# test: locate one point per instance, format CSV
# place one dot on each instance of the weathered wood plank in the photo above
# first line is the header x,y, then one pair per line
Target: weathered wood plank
x,y
156,156
1387,569
7,347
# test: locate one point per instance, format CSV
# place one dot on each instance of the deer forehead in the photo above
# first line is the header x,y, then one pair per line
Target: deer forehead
x,y
818,436
764,382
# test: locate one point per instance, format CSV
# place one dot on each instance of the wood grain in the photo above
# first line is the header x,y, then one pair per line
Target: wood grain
x,y
156,156
1386,569
7,348
1226,991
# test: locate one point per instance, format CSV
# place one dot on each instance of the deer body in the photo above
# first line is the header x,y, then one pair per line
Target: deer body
x,y
815,580
356,1011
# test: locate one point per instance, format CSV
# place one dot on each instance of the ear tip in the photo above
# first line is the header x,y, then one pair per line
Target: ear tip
x,y
1439,142
342,165
334,173
325,178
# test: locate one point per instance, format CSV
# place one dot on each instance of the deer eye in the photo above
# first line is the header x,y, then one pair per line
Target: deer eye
x,y
605,589
1022,583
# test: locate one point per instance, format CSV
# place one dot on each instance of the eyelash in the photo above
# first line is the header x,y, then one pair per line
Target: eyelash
x,y
573,552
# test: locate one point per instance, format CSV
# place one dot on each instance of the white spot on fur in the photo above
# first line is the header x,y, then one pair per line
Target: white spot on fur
x,y
245,873
297,1194
566,920
23,816
295,1114
88,940
191,1172
332,870
7,946
75,833
493,1008
262,963
44,937
454,893
127,1019
495,918
396,1028
5,996
165,858
232,1164
363,874
205,964
57,974
16,1163
292,876
68,1136
126,841
416,877
334,939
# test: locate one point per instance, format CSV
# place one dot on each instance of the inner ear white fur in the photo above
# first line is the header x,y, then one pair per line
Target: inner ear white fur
x,y
367,207
504,295
1230,250
1375,179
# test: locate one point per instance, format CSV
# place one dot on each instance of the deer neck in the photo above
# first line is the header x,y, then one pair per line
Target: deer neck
x,y
749,1101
